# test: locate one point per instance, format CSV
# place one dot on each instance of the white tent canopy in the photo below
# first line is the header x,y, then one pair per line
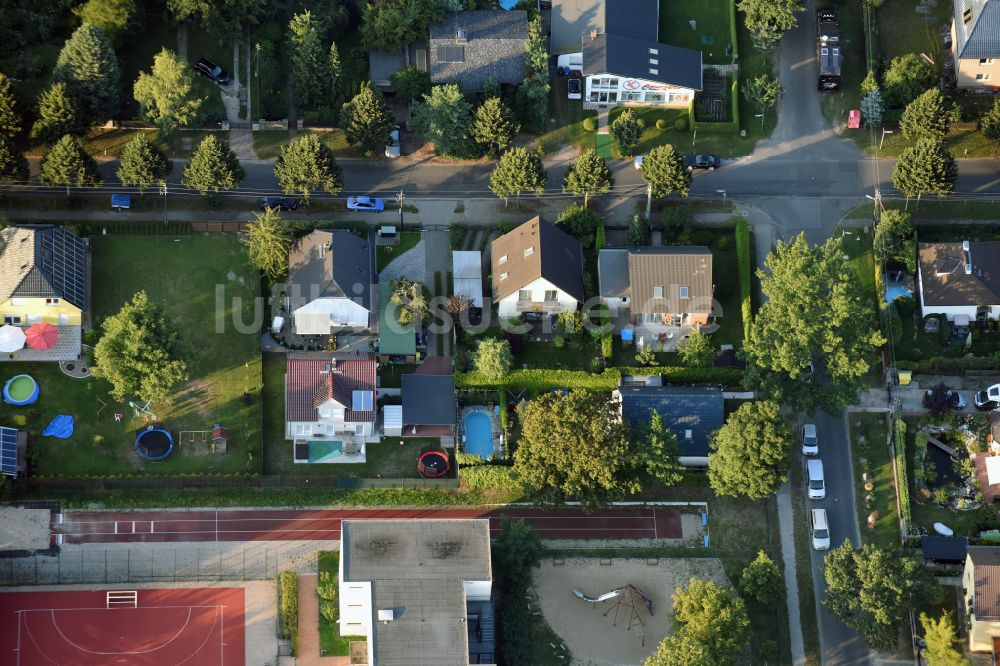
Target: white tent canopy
x,y
467,271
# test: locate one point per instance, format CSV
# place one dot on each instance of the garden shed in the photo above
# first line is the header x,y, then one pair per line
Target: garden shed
x,y
392,420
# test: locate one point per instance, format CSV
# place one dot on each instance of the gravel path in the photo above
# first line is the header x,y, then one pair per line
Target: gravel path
x,y
411,264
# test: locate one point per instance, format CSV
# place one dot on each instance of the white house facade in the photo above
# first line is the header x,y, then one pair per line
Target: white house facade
x,y
323,315
610,89
537,296
975,43
327,397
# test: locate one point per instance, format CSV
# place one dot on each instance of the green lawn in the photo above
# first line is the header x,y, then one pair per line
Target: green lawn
x,y
713,32
901,30
136,54
964,142
386,253
222,366
875,451
857,245
564,126
387,459
331,643
943,209
268,143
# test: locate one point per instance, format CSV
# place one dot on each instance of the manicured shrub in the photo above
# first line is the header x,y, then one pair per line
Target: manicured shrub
x,y
491,476
903,489
641,123
661,124
589,124
606,346
745,268
288,588
681,124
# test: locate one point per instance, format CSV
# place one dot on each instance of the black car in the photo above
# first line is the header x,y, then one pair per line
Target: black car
x,y
280,203
209,69
709,162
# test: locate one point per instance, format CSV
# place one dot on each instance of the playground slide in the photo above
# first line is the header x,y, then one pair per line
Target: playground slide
x,y
594,600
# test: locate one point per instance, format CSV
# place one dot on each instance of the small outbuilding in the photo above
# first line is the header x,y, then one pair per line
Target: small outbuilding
x,y
220,439
944,550
467,271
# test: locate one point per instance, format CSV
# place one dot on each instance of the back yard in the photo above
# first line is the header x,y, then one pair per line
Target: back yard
x,y
712,31
183,275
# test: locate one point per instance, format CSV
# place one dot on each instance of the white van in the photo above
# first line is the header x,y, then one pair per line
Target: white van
x,y
817,485
820,529
569,62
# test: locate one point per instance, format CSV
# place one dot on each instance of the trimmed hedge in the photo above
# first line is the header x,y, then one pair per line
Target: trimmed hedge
x,y
744,265
485,476
288,589
540,380
590,124
902,485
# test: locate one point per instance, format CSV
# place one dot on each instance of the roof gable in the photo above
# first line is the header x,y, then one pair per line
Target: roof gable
x,y
312,381
534,250
671,279
330,264
44,262
977,28
692,413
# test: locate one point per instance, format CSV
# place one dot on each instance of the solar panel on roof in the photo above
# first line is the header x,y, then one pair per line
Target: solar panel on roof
x,y
361,401
8,451
64,258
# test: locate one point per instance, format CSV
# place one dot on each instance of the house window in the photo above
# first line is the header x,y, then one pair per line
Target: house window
x,y
678,97
550,295
986,61
503,259
684,292
836,52
654,61
17,301
325,412
631,96
52,301
504,276
14,320
966,16
654,72
654,97
303,429
654,52
824,51
613,83
657,292
359,429
982,77
524,294
528,251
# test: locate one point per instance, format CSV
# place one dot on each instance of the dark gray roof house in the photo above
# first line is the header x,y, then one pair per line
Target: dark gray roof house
x,y
473,47
977,29
329,270
44,261
692,413
428,397
537,249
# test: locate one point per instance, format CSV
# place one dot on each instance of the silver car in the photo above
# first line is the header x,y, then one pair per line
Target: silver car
x,y
810,442
392,148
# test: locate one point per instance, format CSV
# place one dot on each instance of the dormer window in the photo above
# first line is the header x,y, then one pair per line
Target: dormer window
x,y
684,292
654,51
528,251
504,276
503,259
657,292
967,16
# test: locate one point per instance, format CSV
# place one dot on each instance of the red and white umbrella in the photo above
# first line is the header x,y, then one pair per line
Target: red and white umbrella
x,y
42,336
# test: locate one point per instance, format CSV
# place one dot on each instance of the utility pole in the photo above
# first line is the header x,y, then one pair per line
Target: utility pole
x,y
649,200
163,191
401,198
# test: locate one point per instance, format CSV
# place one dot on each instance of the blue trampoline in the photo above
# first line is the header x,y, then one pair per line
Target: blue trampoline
x,y
154,444
20,390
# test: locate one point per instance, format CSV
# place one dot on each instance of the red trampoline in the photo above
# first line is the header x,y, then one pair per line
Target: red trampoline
x,y
162,627
433,464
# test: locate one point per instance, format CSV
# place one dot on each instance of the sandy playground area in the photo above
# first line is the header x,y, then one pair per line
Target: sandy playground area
x,y
585,628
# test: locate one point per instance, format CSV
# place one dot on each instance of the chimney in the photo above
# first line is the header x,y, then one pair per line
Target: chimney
x,y
967,252
593,35
460,35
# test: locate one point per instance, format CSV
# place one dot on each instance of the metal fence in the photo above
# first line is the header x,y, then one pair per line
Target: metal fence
x,y
162,564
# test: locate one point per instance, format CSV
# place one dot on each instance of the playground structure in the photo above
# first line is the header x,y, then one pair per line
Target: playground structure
x,y
628,599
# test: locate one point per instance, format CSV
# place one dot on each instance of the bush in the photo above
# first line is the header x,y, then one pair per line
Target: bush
x,y
641,123
20,420
902,489
606,346
491,476
661,124
589,124
945,330
545,379
681,124
288,589
905,306
744,264
559,342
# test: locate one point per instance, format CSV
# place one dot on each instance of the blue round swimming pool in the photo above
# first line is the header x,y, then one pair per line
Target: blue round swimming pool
x,y
479,434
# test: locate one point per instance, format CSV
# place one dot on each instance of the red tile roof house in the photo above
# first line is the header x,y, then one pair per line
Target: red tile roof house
x,y
330,398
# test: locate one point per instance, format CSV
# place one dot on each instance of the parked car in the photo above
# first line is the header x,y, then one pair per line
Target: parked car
x,y
940,399
280,203
365,203
709,162
569,62
209,69
637,162
989,399
392,149
820,529
574,88
817,483
810,442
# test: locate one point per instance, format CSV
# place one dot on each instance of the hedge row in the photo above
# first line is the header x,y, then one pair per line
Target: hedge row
x,y
744,263
288,590
482,477
902,485
948,364
540,380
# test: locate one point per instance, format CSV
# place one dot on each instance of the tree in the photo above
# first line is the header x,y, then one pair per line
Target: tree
x,y
410,84
813,339
213,167
533,94
923,168
391,25
113,17
869,83
626,131
493,359
763,581
637,233
896,239
10,111
410,299
925,117
140,352
696,350
142,163
750,452
663,170
943,645
768,20
519,170
367,120
306,164
332,19
309,64
222,18
872,589
515,553
443,119
67,163
581,223
336,68
713,627
57,115
165,94
88,66
762,92
13,165
659,452
906,77
574,447
990,123
872,107
494,127
588,176
268,243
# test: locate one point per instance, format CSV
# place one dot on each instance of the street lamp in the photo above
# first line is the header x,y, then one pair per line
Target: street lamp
x,y
163,191
723,193
884,132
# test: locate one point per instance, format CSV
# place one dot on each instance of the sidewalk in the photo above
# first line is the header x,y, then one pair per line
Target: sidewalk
x,y
309,626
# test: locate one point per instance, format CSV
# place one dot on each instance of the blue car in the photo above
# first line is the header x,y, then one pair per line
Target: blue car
x,y
365,203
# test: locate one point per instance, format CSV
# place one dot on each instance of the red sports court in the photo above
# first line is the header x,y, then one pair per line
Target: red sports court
x,y
162,627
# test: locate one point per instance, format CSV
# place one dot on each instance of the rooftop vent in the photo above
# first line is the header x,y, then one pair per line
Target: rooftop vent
x,y
593,35
461,35
385,615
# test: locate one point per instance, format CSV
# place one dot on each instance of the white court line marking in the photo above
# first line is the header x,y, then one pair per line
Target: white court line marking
x,y
133,527
60,518
159,647
18,638
152,526
116,527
